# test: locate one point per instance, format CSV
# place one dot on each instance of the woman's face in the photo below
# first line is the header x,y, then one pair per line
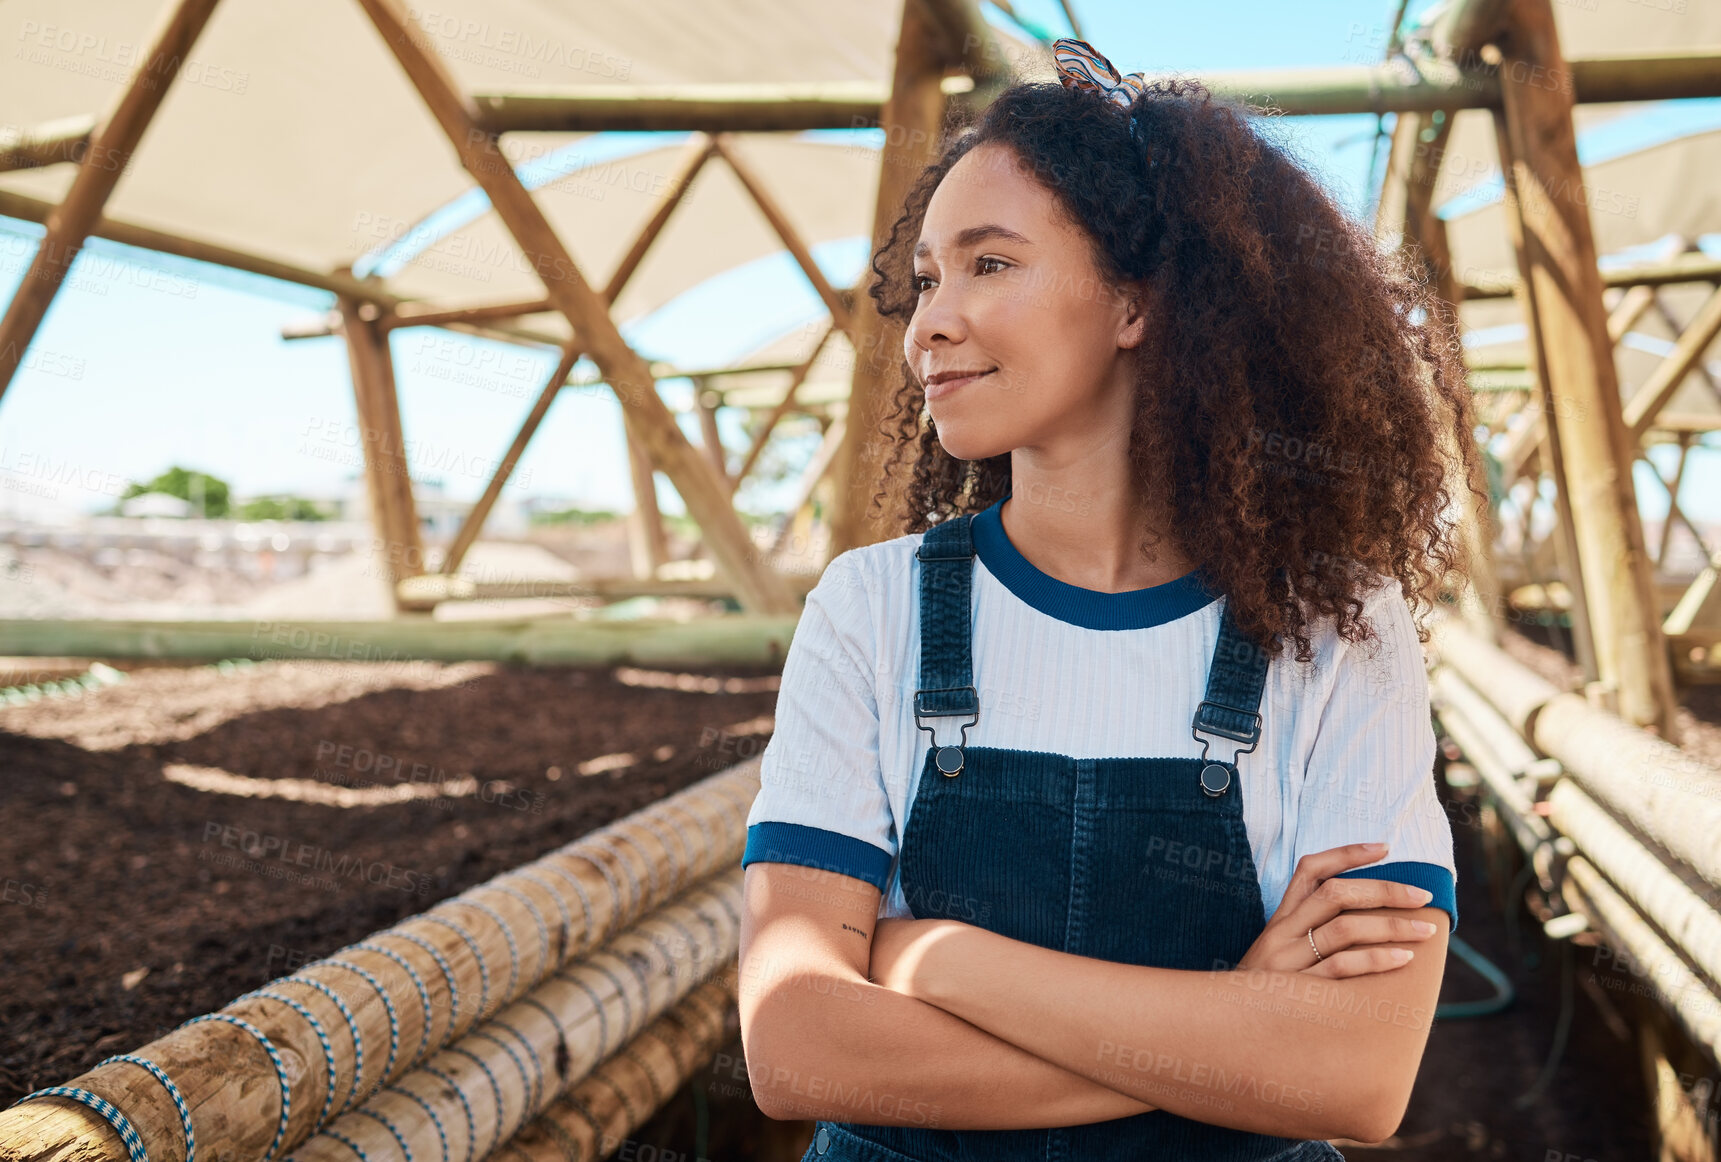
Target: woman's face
x,y
1008,290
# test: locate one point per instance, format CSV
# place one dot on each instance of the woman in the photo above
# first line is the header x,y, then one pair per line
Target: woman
x,y
1045,766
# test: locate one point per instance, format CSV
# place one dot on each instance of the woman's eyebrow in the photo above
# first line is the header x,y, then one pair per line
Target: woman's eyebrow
x,y
973,234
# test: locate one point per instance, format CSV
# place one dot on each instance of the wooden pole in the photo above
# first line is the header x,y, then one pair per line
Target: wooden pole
x,y
705,407
628,374
912,121
104,160
1423,234
776,414
735,639
697,152
469,528
785,229
412,988
1559,247
648,544
1687,354
596,1117
1564,534
570,1028
388,480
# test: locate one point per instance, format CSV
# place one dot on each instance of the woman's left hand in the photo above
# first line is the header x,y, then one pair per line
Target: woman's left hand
x,y
900,948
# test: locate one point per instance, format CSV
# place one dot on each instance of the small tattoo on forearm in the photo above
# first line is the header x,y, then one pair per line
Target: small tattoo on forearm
x,y
852,928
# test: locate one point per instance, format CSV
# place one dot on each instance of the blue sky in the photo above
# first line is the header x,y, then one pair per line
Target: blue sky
x,y
145,361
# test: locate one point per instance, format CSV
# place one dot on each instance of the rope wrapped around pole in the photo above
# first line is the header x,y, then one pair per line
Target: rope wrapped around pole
x,y
254,1084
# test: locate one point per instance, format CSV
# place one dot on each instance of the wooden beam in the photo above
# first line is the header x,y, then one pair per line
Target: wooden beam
x,y
388,479
1648,400
628,374
776,414
785,229
35,146
1548,448
707,108
648,543
693,158
705,405
1692,267
913,121
28,209
1566,293
1418,147
815,471
104,160
1389,87
474,522
740,639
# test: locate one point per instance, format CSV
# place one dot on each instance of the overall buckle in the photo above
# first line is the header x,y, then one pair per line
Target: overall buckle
x,y
1216,774
948,759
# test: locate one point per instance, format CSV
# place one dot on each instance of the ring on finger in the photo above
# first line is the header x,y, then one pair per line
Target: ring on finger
x,y
1312,944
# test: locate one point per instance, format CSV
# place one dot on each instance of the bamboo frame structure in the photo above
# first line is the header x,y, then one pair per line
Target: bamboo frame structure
x,y
912,119
453,979
644,414
100,165
739,639
1617,826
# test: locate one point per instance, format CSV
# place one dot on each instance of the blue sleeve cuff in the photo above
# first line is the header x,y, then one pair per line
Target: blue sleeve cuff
x,y
1429,876
817,847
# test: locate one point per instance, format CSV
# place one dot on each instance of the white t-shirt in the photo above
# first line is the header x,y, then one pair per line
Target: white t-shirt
x,y
1346,753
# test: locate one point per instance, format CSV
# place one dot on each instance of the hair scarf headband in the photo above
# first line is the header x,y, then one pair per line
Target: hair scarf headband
x,y
1081,66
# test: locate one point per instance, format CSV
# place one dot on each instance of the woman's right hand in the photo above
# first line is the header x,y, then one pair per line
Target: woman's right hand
x,y
1320,927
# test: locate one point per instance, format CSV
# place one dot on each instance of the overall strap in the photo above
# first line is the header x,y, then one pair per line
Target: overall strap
x,y
946,556
1231,706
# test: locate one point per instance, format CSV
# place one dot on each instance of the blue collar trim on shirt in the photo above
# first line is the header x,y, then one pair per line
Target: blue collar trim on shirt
x,y
1089,608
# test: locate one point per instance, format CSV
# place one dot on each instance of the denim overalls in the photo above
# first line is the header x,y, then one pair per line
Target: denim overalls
x,y
1088,856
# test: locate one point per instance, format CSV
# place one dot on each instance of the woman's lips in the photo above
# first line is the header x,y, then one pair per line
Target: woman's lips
x,y
938,390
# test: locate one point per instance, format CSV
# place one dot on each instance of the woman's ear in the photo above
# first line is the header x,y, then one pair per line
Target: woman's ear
x,y
1138,309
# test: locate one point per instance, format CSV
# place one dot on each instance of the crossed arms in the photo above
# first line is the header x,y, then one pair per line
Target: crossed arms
x,y
936,1023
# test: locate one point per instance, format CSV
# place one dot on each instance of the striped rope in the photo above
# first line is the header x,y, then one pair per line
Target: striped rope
x,y
418,983
471,1124
561,906
121,1124
447,973
280,1072
352,1030
180,1105
405,1150
525,1078
495,1088
477,954
347,1142
322,1039
507,934
585,904
545,965
388,1006
436,1121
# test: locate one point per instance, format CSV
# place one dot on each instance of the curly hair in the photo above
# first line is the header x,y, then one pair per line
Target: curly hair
x,y
1304,395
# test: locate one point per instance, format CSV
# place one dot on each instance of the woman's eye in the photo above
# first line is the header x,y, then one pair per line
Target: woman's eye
x,y
920,283
982,263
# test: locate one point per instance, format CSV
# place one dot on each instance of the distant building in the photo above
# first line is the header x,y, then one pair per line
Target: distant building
x,y
440,515
156,504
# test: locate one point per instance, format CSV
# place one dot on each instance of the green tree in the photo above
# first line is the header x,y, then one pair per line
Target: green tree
x,y
192,486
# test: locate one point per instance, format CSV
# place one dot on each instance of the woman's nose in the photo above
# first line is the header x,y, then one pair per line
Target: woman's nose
x,y
937,316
